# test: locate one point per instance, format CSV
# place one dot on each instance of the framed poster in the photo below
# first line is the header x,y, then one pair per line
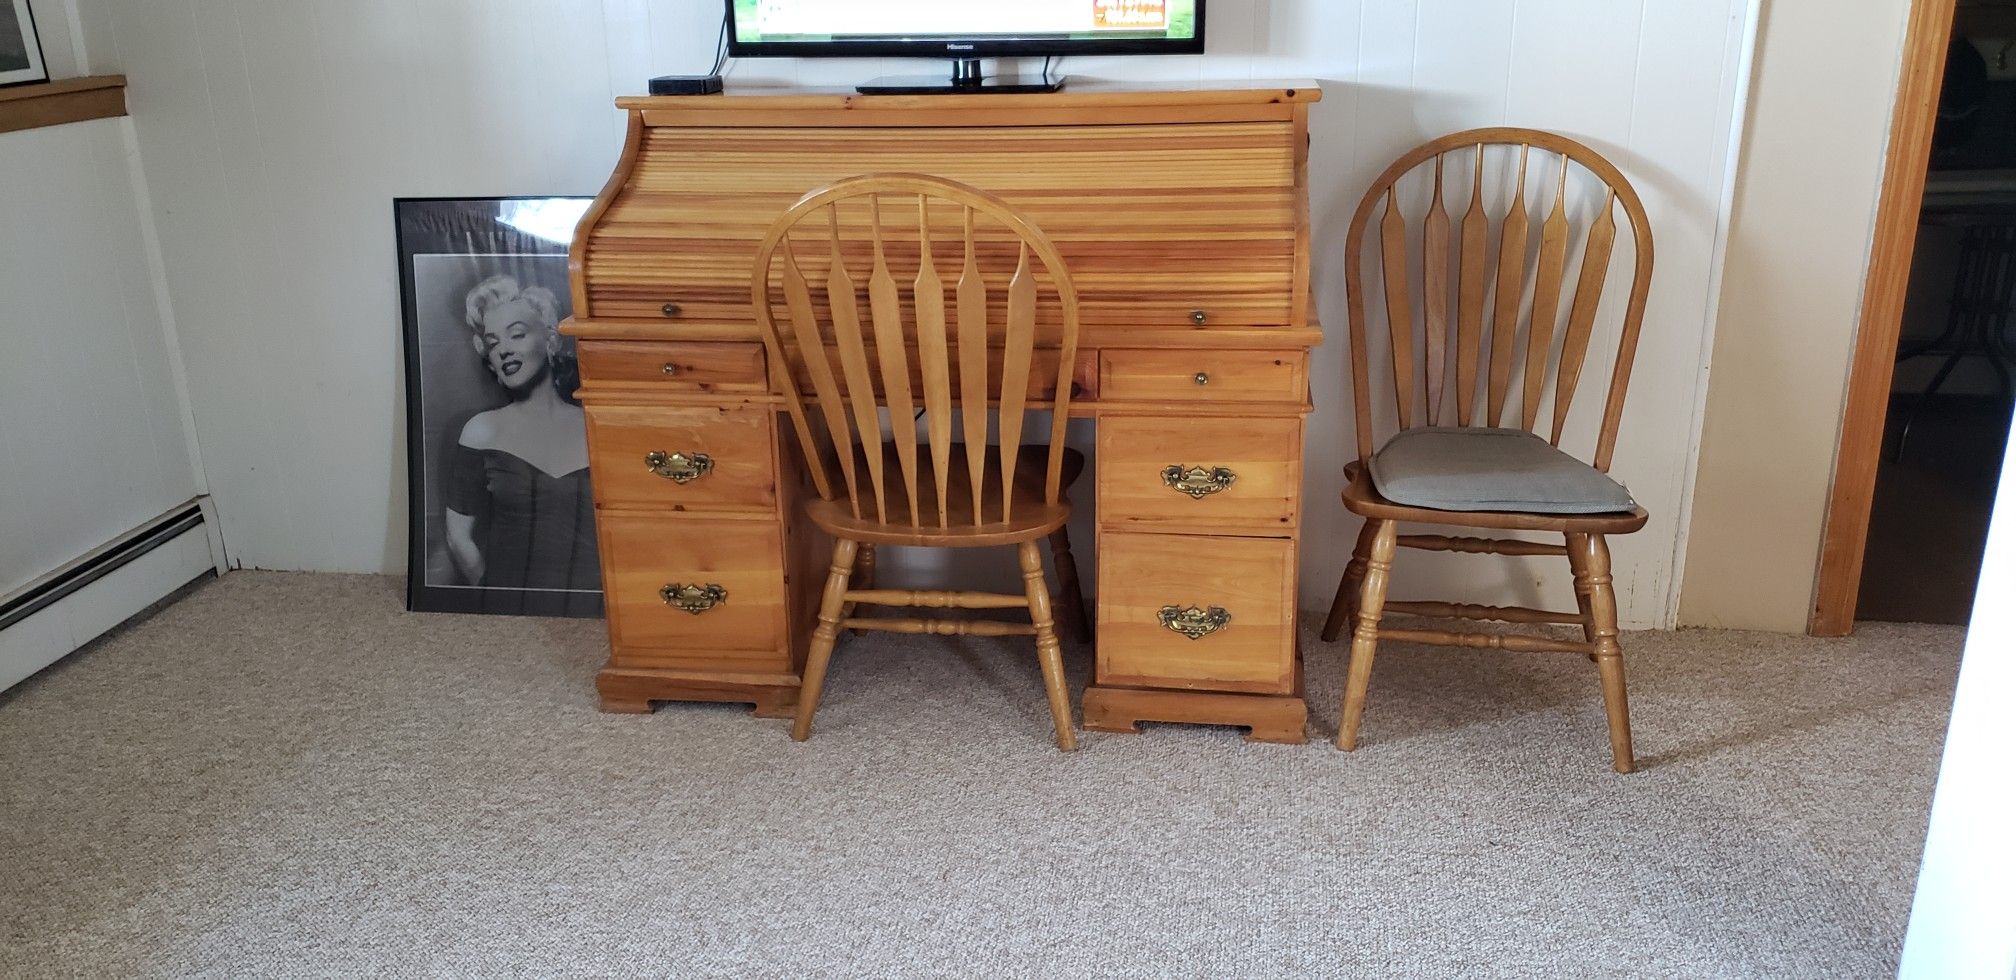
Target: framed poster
x,y
20,49
501,516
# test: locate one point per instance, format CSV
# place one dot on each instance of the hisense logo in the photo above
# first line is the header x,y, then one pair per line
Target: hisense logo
x,y
958,47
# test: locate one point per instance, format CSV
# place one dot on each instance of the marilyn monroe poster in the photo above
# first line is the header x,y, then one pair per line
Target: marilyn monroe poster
x,y
502,517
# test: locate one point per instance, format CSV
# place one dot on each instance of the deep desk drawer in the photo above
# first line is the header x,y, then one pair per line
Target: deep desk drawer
x,y
1242,475
682,457
692,366
1202,375
1197,612
684,583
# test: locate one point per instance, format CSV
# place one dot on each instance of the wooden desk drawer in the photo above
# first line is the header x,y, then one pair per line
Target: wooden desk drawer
x,y
730,569
1236,474
688,365
1236,594
699,457
1200,375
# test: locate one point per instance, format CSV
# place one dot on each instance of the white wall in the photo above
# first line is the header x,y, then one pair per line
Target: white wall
x,y
1798,251
276,134
93,443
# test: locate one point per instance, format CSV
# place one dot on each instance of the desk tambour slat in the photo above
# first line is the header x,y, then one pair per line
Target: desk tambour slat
x,y
1183,217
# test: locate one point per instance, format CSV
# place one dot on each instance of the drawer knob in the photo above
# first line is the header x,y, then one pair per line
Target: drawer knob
x,y
1197,481
695,599
670,369
1202,378
669,309
1193,622
680,468
1199,317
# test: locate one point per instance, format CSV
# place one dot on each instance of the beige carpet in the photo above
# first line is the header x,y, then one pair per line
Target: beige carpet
x,y
287,775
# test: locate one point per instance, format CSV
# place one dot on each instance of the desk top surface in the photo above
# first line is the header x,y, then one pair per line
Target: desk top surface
x,y
1077,93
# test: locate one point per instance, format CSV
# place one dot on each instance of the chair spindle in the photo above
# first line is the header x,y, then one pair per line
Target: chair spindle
x,y
1470,294
1399,318
1435,296
1016,347
928,295
844,301
885,306
973,365
1582,315
1546,299
1512,236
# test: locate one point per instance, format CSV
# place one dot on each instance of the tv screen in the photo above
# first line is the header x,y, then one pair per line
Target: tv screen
x,y
964,28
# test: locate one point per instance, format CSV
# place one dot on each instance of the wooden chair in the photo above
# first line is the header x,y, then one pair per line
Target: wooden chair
x,y
957,356
1549,365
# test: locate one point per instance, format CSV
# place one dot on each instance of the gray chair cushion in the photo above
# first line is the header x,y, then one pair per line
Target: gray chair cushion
x,y
1491,469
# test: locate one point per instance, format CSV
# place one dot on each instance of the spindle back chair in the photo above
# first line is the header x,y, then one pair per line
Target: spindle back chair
x,y
940,347
1508,324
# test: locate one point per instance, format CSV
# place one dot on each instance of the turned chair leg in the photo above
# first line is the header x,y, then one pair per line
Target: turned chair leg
x,y
1347,588
831,611
862,579
1580,567
1048,651
1071,598
1602,604
1365,637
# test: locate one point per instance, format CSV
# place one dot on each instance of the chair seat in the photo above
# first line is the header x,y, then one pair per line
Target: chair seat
x,y
1493,478
1491,469
1030,517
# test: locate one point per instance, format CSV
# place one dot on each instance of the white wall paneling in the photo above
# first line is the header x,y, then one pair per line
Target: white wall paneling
x,y
276,134
94,443
1799,239
97,441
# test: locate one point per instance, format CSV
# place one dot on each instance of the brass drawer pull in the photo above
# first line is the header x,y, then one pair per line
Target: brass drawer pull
x,y
669,309
1197,481
695,599
1199,317
1193,622
680,468
1202,378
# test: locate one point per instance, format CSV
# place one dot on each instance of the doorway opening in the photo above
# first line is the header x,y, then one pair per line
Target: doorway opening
x,y
1951,388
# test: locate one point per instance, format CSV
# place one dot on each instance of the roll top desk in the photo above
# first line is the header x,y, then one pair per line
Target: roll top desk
x,y
1183,215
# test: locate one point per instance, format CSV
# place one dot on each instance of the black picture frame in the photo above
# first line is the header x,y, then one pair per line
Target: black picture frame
x,y
21,61
532,531
979,46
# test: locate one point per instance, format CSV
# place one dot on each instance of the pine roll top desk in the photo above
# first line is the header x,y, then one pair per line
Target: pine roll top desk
x,y
1183,216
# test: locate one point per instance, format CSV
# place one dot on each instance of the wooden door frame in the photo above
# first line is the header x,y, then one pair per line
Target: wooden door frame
x,y
1903,193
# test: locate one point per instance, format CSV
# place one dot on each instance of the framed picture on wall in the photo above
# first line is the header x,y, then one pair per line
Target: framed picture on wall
x,y
501,517
20,49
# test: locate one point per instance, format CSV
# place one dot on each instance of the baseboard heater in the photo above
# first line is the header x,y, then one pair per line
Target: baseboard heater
x,y
81,601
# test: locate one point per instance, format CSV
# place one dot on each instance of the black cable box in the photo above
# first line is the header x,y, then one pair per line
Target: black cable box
x,y
686,85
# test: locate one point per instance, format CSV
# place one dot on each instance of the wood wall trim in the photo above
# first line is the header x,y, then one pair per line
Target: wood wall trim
x,y
66,101
1847,525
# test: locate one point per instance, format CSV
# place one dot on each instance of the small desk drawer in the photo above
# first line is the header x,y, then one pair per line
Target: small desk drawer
x,y
697,457
1202,375
727,588
689,365
1236,596
1242,475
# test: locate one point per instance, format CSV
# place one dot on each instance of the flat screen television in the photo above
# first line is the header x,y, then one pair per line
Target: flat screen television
x,y
962,30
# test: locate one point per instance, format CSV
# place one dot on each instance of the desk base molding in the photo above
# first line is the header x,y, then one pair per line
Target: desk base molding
x,y
1277,719
631,690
